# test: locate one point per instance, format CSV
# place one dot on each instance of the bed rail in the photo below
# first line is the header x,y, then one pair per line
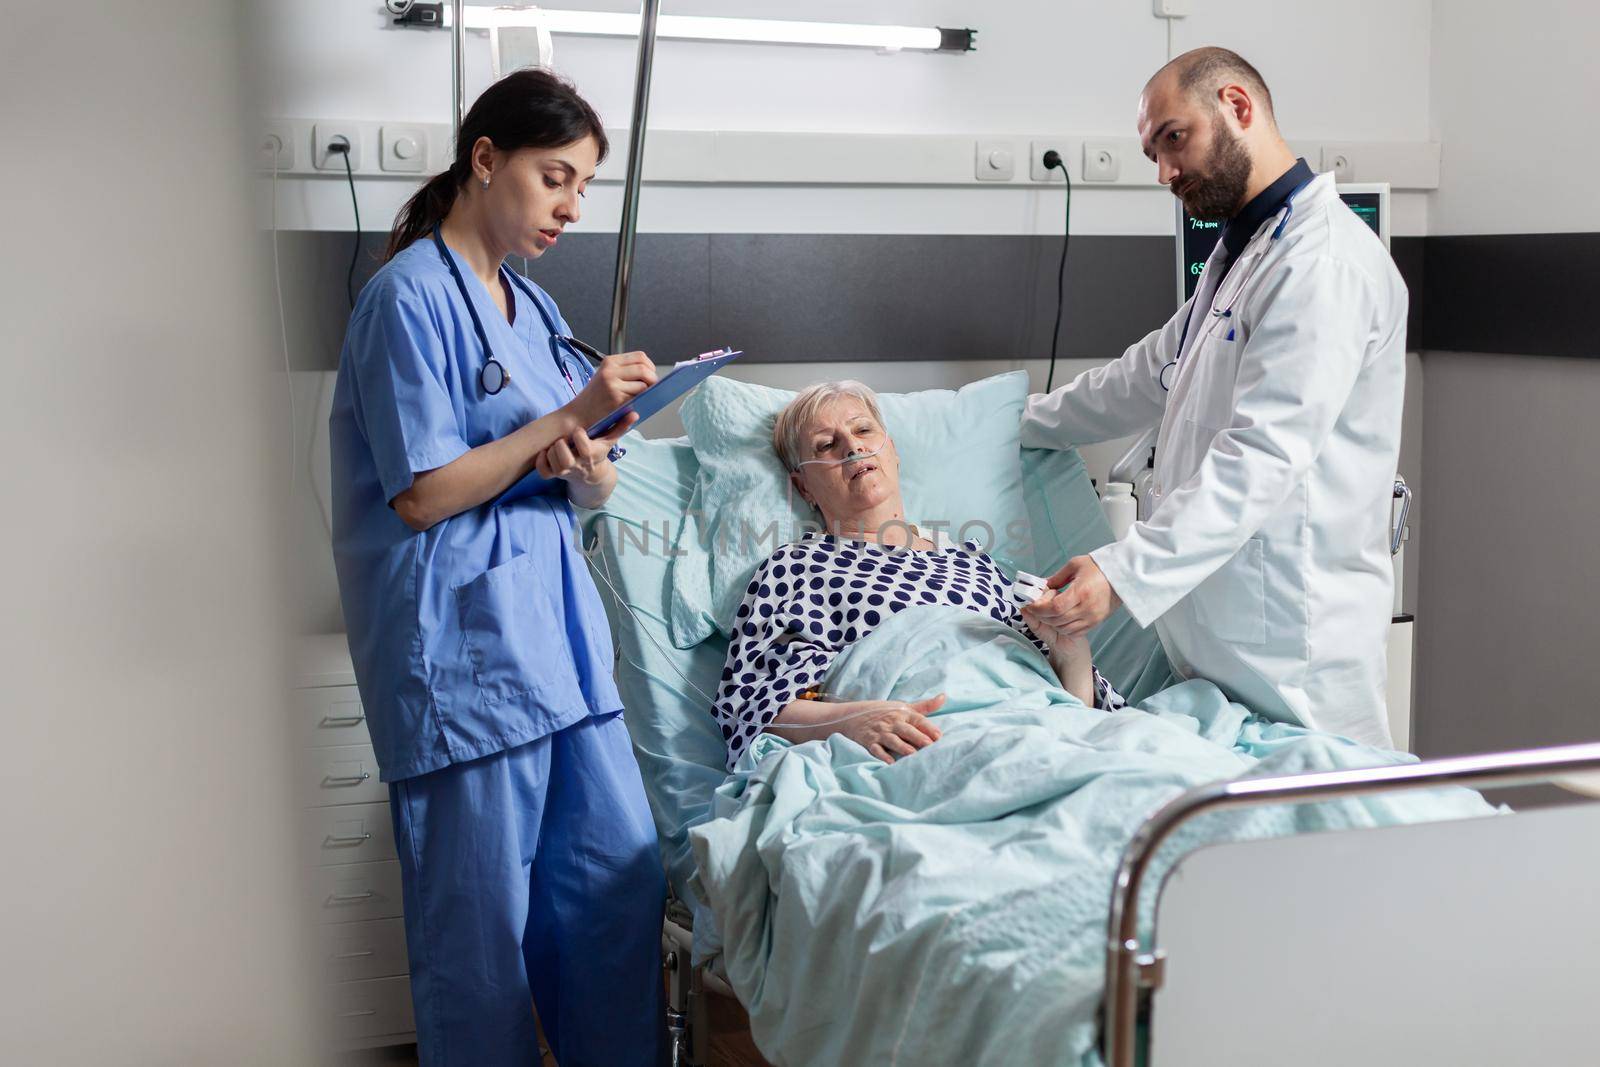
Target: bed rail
x,y
1132,968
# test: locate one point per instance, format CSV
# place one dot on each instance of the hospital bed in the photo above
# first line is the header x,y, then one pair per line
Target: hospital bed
x,y
1463,942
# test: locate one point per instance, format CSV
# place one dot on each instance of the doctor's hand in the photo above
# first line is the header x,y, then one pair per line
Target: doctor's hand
x,y
619,379
1070,650
1085,600
579,459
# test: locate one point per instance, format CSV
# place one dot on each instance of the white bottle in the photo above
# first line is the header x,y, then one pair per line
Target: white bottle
x,y
1120,507
1141,486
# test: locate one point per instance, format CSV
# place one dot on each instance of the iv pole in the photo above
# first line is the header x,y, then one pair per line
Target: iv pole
x,y
648,10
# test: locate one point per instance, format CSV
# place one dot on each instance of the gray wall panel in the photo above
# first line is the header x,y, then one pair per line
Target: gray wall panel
x,y
1509,612
669,312
1516,294
794,298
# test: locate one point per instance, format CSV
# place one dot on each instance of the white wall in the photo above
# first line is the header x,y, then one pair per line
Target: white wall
x,y
149,901
1354,71
1513,93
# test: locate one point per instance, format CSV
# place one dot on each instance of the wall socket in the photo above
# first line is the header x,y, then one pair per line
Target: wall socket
x,y
324,134
1340,163
1101,162
1037,171
276,147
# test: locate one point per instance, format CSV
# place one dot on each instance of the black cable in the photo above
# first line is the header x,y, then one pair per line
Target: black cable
x,y
1052,159
355,252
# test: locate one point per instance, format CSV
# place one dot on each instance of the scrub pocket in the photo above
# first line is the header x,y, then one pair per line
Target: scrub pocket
x,y
513,640
1232,603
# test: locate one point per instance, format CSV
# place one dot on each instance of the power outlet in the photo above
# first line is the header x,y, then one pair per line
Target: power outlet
x,y
1339,161
1037,171
324,135
1102,162
275,151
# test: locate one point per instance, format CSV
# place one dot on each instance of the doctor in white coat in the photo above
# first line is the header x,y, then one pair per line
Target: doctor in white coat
x,y
1264,564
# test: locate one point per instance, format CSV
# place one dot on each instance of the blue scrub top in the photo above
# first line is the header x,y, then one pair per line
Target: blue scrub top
x,y
485,631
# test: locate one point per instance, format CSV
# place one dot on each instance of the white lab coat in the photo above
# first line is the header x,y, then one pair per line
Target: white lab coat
x,y
1265,561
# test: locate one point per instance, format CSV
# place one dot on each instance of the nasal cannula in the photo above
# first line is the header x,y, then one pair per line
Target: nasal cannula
x,y
851,457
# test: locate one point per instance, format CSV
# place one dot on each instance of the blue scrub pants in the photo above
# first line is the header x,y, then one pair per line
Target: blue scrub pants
x,y
532,877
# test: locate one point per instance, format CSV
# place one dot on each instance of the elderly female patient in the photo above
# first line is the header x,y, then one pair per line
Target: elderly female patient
x,y
813,597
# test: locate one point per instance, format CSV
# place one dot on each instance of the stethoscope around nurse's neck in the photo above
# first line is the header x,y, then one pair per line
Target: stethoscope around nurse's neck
x,y
493,376
1222,308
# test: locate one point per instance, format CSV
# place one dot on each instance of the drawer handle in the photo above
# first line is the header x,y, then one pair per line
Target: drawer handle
x,y
358,1014
341,842
347,780
354,955
343,720
350,898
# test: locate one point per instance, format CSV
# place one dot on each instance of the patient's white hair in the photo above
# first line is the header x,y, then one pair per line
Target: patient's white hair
x,y
794,418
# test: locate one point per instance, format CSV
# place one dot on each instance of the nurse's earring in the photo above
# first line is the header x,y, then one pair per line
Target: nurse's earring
x,y
484,181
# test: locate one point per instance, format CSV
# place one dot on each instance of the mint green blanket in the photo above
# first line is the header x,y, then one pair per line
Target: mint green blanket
x,y
951,907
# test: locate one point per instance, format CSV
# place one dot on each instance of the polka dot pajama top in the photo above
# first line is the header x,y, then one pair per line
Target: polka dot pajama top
x,y
816,596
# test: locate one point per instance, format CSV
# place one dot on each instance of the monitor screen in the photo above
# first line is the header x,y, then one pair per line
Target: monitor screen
x,y
1366,206
1197,238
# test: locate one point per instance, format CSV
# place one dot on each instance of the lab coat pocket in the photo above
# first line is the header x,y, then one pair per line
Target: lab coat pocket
x,y
1232,604
1210,398
508,626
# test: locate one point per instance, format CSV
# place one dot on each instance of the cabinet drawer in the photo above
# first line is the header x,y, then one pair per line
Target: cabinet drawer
x,y
349,833
352,952
355,892
370,1008
345,774
331,715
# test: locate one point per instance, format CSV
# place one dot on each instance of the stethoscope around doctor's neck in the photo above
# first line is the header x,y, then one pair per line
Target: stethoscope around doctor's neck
x,y
1223,308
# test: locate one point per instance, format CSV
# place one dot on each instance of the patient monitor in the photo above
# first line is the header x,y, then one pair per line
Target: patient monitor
x,y
1196,237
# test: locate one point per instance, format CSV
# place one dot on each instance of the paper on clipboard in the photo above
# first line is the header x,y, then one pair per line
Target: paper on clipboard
x,y
679,380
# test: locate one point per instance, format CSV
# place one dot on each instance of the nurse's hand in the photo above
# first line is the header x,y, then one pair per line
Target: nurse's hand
x,y
581,460
619,379
1085,601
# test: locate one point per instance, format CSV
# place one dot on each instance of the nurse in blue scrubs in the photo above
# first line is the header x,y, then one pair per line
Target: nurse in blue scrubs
x,y
529,859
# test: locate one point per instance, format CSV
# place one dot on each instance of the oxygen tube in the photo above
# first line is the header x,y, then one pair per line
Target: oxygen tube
x,y
851,457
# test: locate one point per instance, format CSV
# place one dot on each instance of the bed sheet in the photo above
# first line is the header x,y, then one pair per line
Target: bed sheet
x,y
951,907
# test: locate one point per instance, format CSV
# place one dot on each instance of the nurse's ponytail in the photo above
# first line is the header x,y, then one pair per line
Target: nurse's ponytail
x,y
529,108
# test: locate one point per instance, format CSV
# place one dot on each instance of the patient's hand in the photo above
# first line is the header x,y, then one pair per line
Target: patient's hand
x,y
890,728
1070,655
885,728
1041,617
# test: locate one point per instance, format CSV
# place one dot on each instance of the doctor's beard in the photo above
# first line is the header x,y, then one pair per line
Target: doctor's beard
x,y
1218,194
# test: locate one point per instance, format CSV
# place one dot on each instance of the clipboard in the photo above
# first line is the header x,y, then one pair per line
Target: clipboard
x,y
679,380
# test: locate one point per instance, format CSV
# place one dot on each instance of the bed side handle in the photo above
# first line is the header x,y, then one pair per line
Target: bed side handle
x,y
1131,967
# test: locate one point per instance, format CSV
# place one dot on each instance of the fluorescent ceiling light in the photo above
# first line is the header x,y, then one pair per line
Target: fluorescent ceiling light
x,y
710,28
